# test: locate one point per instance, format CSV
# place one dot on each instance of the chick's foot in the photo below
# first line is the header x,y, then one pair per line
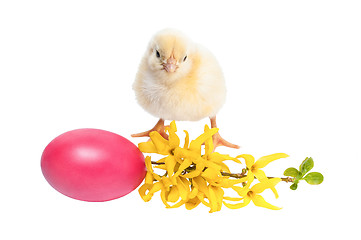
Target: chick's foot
x,y
219,141
159,127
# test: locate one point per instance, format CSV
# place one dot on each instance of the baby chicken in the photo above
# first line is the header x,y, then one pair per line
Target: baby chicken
x,y
179,80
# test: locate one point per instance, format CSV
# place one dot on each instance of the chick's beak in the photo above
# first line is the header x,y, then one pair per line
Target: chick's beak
x,y
171,65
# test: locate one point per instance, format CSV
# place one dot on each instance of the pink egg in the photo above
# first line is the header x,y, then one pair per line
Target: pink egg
x,y
93,165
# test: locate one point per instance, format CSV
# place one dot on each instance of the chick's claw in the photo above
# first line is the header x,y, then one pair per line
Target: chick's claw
x,y
219,141
159,127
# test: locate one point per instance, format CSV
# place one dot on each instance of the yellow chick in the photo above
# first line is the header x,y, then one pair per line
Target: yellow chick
x,y
179,80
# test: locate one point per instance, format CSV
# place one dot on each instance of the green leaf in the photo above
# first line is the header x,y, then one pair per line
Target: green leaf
x,y
298,177
291,172
294,186
306,165
314,178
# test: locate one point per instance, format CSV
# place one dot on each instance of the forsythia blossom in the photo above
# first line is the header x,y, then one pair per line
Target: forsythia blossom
x,y
192,177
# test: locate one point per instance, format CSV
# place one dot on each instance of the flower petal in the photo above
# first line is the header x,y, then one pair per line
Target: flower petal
x,y
200,183
151,188
211,174
178,204
166,182
161,144
265,160
224,167
148,164
245,202
196,144
242,191
199,169
192,203
143,189
170,163
259,201
250,179
269,183
260,175
173,138
164,196
227,183
156,187
215,198
232,198
186,140
148,178
162,166
182,188
173,194
147,147
200,196
248,158
186,163
218,158
194,192
274,192
212,165
180,153
173,126
209,146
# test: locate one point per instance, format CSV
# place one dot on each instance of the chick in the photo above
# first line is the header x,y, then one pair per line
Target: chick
x,y
179,80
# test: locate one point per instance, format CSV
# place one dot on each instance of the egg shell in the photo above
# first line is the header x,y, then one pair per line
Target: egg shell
x,y
92,165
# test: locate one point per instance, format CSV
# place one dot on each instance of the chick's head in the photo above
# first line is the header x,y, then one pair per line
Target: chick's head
x,y
170,54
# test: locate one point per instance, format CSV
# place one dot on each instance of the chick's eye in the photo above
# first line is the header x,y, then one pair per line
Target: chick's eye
x,y
185,58
157,53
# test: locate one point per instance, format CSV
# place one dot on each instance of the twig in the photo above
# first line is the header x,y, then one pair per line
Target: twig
x,y
234,175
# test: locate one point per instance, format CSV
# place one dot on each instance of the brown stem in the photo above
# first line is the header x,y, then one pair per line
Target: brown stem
x,y
234,175
241,175
157,163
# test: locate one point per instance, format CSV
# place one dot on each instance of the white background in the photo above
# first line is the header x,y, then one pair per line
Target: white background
x,y
292,71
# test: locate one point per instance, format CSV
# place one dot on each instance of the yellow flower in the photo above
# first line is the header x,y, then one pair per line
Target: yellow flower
x,y
205,138
254,168
160,145
252,194
164,147
196,174
215,198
